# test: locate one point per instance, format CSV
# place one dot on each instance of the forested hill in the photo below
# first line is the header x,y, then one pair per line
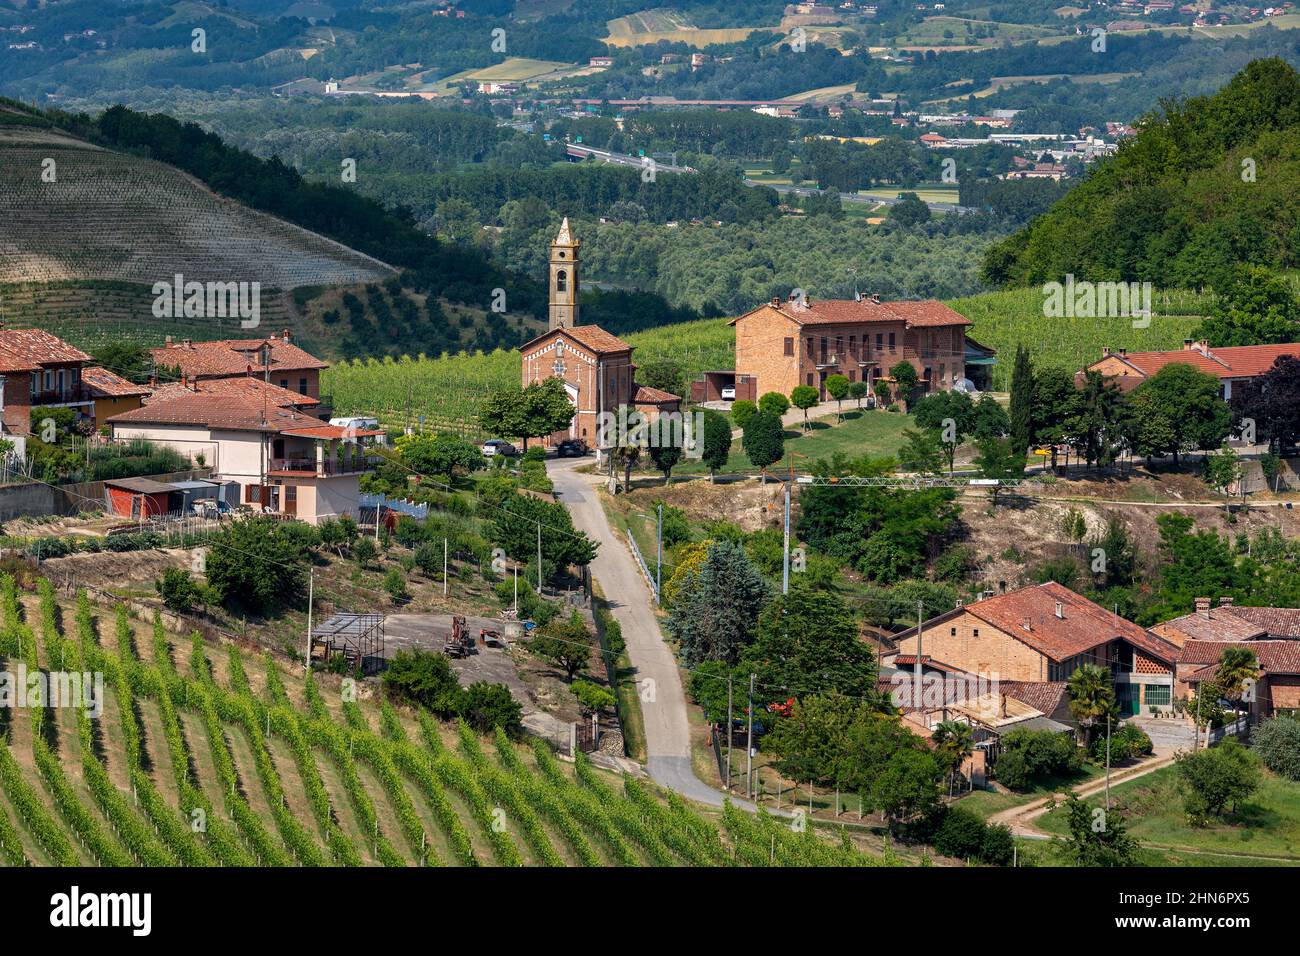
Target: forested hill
x,y
1207,184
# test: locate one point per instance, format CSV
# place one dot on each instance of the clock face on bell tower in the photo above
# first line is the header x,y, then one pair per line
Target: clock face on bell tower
x,y
564,279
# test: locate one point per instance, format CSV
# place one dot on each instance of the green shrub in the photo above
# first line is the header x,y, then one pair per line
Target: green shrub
x,y
1277,741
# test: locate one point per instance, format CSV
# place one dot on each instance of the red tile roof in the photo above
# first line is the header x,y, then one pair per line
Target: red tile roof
x,y
1046,696
105,384
1082,626
591,337
1283,622
1237,361
234,356
924,314
646,395
22,350
1217,624
243,386
217,411
1275,657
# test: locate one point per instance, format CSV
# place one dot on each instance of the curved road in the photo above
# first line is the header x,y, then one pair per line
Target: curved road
x,y
663,704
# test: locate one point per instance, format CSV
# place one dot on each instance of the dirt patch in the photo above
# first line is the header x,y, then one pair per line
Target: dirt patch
x,y
107,570
750,504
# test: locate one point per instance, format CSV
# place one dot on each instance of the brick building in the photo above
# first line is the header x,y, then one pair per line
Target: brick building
x,y
596,366
1043,634
782,344
276,360
39,369
1234,366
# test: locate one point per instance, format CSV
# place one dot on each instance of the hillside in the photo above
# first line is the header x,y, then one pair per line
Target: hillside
x,y
274,770
113,216
1210,183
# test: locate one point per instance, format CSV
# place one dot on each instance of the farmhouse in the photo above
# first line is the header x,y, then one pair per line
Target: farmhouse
x,y
37,370
1277,690
782,344
112,394
1043,633
285,460
1234,366
276,359
596,366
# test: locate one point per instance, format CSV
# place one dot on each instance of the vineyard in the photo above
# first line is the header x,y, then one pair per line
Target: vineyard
x,y
208,756
105,215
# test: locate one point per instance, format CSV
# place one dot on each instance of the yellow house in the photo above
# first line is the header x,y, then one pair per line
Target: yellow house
x,y
112,393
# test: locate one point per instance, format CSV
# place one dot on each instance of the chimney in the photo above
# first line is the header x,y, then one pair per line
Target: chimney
x,y
1187,344
1203,606
875,297
1225,601
188,343
1105,351
776,302
1203,346
1060,610
170,342
285,335
1027,625
1123,351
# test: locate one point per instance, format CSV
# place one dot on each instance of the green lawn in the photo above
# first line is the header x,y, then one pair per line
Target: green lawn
x,y
1267,826
861,433
985,803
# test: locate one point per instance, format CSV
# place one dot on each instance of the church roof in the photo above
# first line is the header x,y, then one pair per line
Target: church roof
x,y
565,237
591,337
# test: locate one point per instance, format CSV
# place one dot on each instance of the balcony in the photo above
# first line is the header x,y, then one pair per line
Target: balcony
x,y
323,468
72,395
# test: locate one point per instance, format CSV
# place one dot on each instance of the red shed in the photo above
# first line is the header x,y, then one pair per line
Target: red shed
x,y
139,497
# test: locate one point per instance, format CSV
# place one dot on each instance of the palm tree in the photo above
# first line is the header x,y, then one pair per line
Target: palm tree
x,y
955,743
1092,697
1238,668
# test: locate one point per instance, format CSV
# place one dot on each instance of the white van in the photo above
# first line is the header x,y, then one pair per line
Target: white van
x,y
360,422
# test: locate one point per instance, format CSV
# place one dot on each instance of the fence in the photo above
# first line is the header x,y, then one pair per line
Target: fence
x,y
645,569
404,507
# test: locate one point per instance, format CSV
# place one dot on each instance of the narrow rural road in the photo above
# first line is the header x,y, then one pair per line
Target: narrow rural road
x,y
663,702
1020,819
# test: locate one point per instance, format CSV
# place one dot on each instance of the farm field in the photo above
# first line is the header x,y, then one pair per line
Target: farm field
x,y
651,26
212,755
932,31
1004,319
933,193
1267,826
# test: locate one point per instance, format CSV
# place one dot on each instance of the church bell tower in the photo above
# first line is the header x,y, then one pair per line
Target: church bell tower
x,y
564,279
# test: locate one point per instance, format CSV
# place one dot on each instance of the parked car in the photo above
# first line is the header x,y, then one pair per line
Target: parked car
x,y
728,393
498,446
571,448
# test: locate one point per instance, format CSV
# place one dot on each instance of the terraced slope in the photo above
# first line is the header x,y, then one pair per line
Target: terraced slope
x,y
111,216
210,756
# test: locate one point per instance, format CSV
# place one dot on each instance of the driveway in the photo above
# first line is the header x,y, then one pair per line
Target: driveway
x,y
663,702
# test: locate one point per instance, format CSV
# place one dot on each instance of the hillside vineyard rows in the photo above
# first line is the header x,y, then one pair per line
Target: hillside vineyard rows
x,y
230,760
138,220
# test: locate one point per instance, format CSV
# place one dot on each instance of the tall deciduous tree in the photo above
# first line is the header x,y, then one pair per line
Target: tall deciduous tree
x,y
1178,409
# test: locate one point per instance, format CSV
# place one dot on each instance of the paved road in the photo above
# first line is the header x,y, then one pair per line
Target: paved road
x,y
668,740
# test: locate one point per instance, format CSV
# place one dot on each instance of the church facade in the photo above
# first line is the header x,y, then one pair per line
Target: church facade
x,y
596,366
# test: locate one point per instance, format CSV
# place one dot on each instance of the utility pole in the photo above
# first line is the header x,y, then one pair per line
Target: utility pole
x,y
516,590
916,663
379,510
749,742
311,593
1108,762
539,559
659,558
785,564
729,726
444,567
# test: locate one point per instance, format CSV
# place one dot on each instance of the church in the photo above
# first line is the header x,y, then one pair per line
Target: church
x,y
596,366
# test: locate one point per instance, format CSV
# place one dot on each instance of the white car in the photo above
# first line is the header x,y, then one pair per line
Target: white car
x,y
728,393
498,446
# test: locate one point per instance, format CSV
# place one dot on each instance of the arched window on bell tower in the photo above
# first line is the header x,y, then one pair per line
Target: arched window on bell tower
x,y
561,281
